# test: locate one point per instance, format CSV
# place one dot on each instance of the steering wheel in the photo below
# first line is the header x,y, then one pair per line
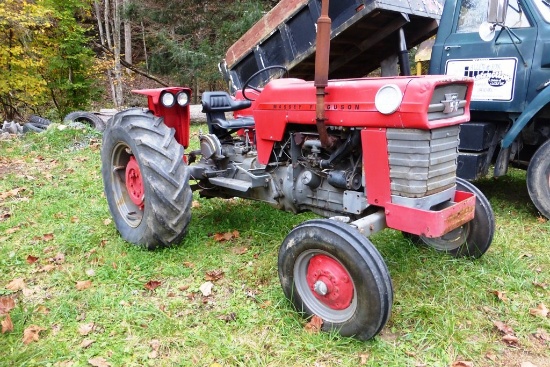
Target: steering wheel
x,y
246,84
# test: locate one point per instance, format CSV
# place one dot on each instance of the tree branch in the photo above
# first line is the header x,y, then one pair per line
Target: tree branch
x,y
130,66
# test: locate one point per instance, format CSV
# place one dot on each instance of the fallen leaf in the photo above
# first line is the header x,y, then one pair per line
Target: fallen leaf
x,y
31,334
527,364
195,204
510,339
503,328
540,311
541,220
462,364
13,230
74,219
206,289
59,258
99,362
107,221
56,328
183,288
47,268
86,343
542,335
6,305
42,309
31,259
7,324
83,284
155,345
85,329
152,285
48,237
500,295
16,284
240,250
314,325
214,275
540,285
188,264
220,237
364,357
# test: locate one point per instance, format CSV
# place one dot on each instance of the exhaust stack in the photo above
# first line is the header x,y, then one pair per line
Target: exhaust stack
x,y
322,54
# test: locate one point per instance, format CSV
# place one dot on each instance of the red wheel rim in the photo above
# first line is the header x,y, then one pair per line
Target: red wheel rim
x,y
134,182
329,282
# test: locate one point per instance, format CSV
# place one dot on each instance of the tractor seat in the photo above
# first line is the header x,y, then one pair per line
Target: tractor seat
x,y
216,104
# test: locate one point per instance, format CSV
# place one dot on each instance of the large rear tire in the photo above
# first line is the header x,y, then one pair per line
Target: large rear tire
x,y
146,180
538,179
330,270
473,238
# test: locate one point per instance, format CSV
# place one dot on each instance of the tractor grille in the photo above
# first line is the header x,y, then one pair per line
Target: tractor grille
x,y
448,100
422,162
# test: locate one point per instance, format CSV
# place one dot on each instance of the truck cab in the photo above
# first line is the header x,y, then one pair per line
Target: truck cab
x,y
505,46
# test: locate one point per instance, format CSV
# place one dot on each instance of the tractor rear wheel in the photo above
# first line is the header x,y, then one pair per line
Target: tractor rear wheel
x,y
473,238
330,270
538,179
146,180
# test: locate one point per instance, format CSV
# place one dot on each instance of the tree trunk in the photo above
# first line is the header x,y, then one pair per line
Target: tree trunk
x,y
117,70
127,36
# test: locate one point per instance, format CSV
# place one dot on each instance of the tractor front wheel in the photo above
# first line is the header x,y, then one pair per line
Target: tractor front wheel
x,y
146,180
538,179
330,270
473,238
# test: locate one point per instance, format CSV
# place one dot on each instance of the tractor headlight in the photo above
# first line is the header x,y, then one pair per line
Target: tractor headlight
x,y
388,99
182,98
167,99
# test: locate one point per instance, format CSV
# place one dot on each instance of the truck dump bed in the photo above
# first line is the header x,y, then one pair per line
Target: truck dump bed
x,y
364,32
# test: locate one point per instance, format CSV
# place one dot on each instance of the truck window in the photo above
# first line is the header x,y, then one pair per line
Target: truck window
x,y
544,8
474,12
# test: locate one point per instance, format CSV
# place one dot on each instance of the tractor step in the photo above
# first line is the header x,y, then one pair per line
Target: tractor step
x,y
231,183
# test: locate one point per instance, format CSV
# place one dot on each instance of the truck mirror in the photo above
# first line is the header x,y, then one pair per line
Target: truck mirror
x,y
496,11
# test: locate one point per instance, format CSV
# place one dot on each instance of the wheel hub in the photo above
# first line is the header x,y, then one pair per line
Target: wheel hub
x,y
329,282
134,182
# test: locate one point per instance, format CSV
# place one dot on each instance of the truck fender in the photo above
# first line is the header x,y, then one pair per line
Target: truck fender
x,y
532,109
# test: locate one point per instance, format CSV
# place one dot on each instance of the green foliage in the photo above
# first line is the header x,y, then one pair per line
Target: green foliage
x,y
187,39
43,56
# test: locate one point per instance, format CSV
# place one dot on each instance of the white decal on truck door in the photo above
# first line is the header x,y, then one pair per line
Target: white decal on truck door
x,y
494,79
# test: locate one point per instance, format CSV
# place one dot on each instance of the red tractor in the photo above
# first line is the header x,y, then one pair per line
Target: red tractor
x,y
365,153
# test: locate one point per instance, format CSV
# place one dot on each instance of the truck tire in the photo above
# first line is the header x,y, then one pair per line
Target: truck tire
x,y
32,127
472,239
86,118
39,121
146,180
330,270
538,179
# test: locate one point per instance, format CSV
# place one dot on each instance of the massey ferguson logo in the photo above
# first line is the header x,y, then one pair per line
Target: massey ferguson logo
x,y
450,103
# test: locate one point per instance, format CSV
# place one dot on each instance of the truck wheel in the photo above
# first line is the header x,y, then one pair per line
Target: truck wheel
x,y
86,118
330,270
538,179
472,239
146,180
39,121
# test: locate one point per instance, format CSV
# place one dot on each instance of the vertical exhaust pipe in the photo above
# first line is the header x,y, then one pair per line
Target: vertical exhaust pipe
x,y
322,54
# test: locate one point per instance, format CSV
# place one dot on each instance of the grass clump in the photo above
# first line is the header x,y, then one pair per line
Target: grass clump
x,y
146,309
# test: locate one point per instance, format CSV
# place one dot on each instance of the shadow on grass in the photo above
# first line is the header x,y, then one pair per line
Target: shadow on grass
x,y
508,193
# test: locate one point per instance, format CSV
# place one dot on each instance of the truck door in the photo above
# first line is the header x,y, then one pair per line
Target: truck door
x,y
500,67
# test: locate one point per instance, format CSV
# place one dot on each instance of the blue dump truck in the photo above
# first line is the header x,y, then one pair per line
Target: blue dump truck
x,y
504,45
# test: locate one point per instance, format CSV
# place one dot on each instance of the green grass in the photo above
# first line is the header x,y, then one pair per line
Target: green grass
x,y
443,311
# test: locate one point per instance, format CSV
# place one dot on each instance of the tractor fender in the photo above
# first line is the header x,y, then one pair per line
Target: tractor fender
x,y
541,100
